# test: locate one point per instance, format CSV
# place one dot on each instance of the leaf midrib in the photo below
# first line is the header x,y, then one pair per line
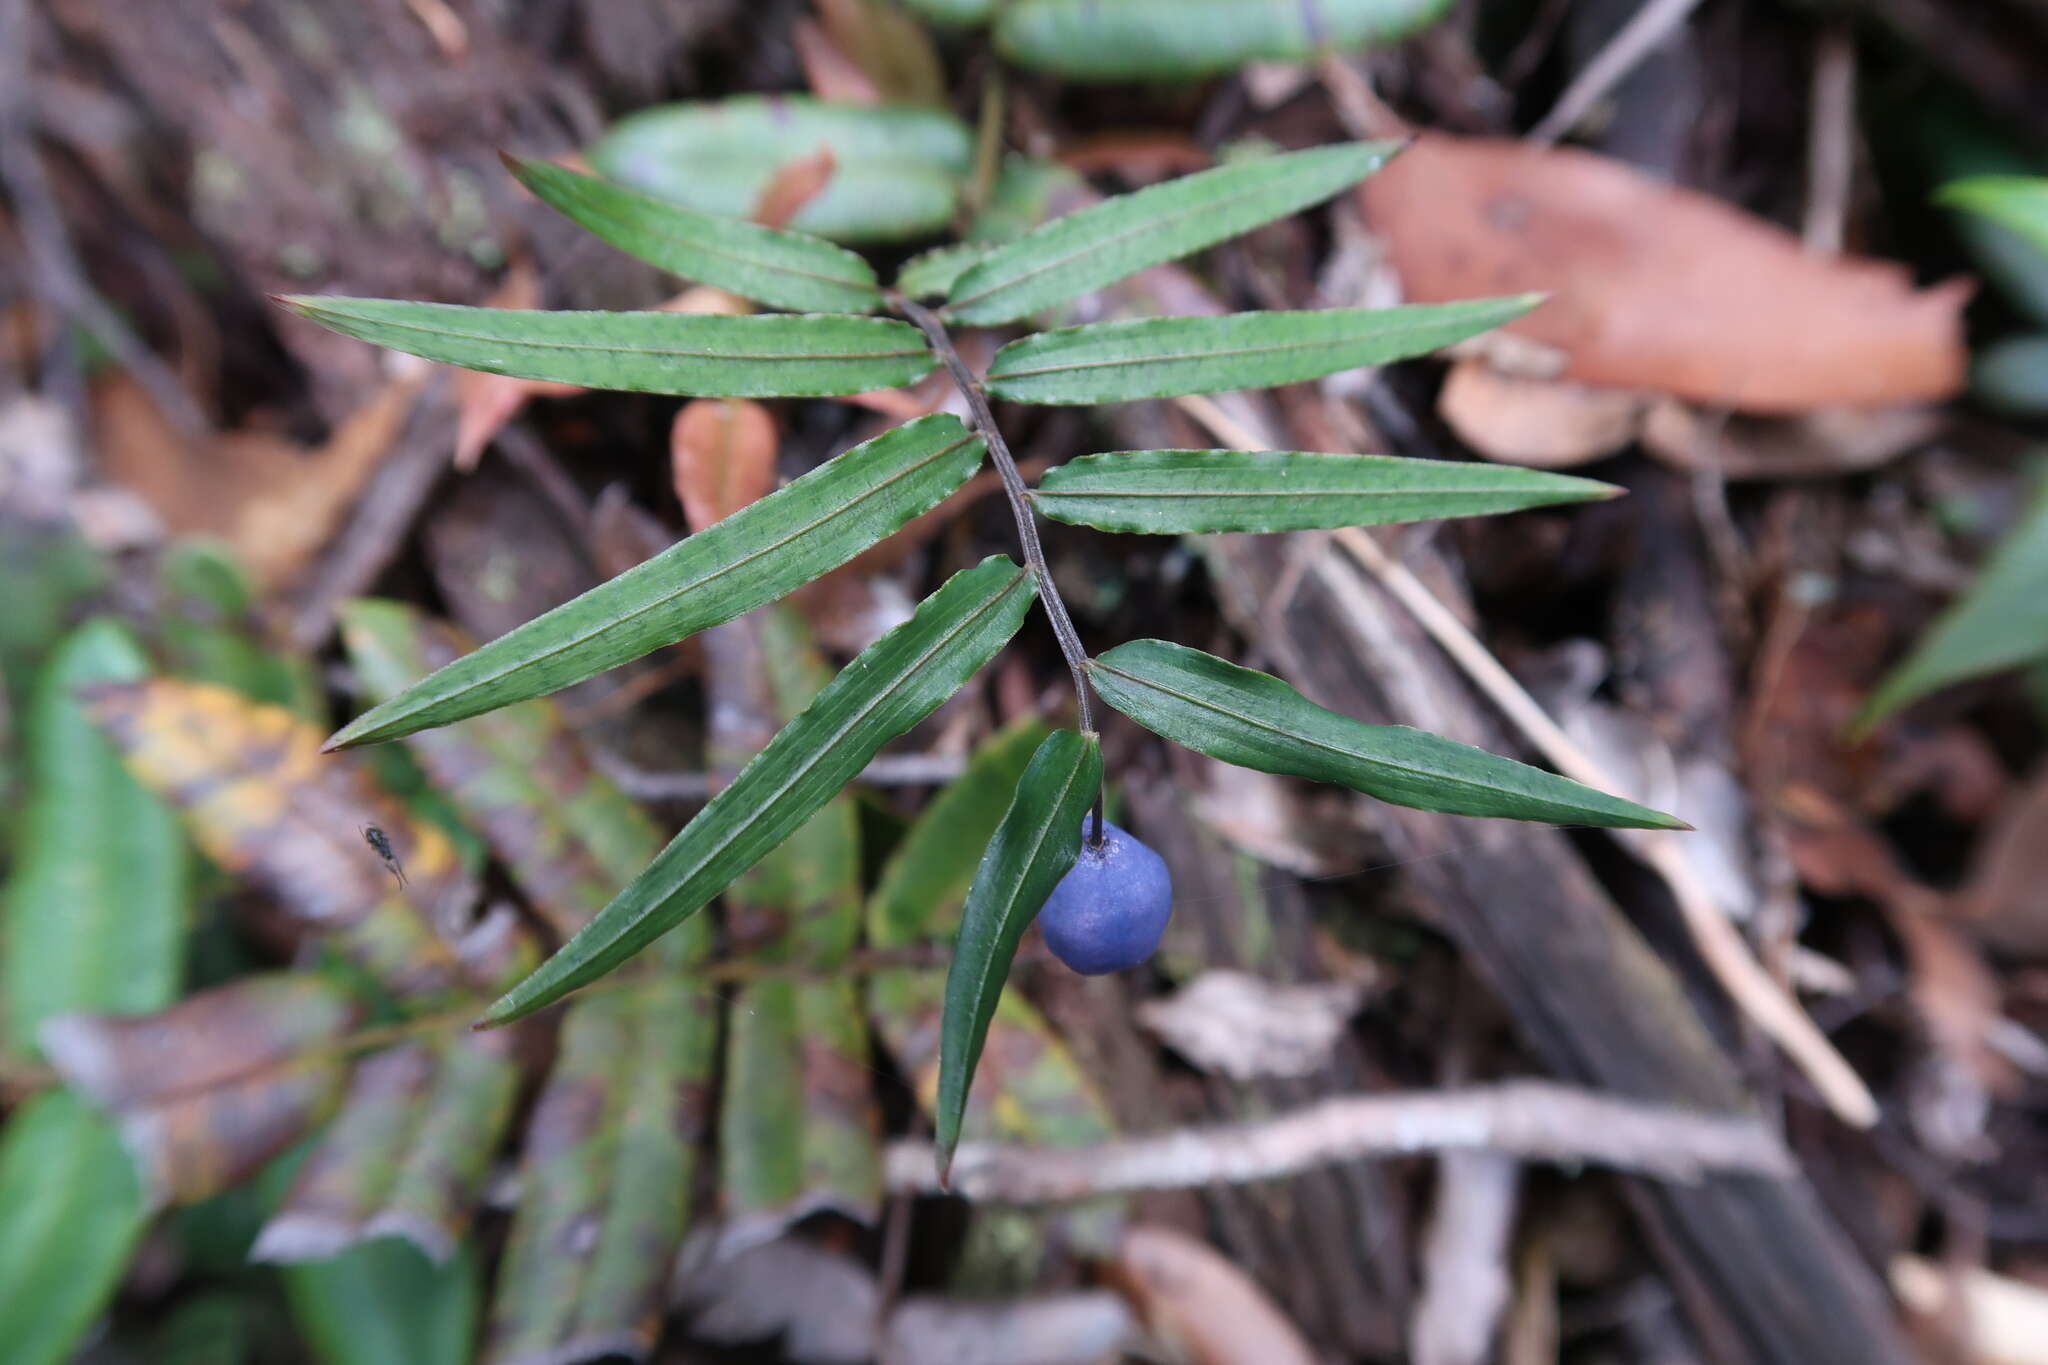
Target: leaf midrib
x,y
747,356
1481,490
733,566
817,754
1311,742
1376,334
1142,225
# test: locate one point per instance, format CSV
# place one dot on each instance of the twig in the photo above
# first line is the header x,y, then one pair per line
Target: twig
x,y
1531,1120
1719,945
1830,141
1630,44
1465,1278
888,770
970,388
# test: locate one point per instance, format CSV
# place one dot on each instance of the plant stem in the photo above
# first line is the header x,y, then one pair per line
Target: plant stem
x,y
970,388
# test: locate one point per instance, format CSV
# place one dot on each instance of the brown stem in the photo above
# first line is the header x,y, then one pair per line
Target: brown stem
x,y
970,388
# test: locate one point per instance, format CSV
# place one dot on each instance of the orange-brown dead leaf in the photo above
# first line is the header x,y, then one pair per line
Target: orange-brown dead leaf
x,y
828,72
484,403
1201,1304
794,184
1657,287
722,457
887,45
275,501
1544,423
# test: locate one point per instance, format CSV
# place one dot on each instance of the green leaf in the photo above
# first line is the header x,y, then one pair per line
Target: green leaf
x,y
891,686
1102,244
1034,846
2017,202
779,268
897,170
2001,622
1122,40
94,916
1257,721
382,1302
713,356
1178,492
71,1210
753,556
921,888
1114,362
957,13
931,274
2011,376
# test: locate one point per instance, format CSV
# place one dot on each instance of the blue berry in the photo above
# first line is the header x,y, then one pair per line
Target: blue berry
x,y
1110,910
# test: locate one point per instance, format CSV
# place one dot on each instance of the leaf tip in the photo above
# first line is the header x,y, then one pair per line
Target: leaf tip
x,y
942,1158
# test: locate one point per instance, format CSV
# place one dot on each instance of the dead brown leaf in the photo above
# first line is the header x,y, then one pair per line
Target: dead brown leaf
x,y
1819,444
722,457
275,501
888,45
828,72
2005,899
794,184
484,403
1657,287
1196,1301
1544,423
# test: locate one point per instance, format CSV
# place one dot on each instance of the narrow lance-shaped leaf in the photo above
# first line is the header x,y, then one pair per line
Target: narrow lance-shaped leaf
x,y
2018,202
1088,40
897,170
2001,622
931,274
1033,848
891,686
710,355
753,556
780,268
1114,362
1178,492
1100,245
1257,721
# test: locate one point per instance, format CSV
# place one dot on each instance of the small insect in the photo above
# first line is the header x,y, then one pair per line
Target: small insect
x,y
379,840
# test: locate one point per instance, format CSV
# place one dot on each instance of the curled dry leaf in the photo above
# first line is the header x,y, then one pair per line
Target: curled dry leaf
x,y
1657,287
1543,423
794,184
1201,1304
1825,443
1244,1027
722,457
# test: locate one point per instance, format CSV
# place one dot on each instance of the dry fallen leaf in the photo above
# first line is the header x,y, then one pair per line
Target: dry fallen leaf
x,y
2004,1321
1544,423
794,184
1057,1329
1824,443
828,72
1244,1027
1657,287
2002,902
275,501
722,457
1201,1304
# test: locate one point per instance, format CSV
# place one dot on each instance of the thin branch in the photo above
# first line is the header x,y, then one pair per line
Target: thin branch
x,y
969,385
1531,1120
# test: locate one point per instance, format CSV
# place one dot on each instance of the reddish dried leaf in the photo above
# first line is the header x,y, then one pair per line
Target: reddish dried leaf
x,y
1189,1295
275,501
889,47
722,457
1657,287
794,184
1544,423
484,403
828,72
